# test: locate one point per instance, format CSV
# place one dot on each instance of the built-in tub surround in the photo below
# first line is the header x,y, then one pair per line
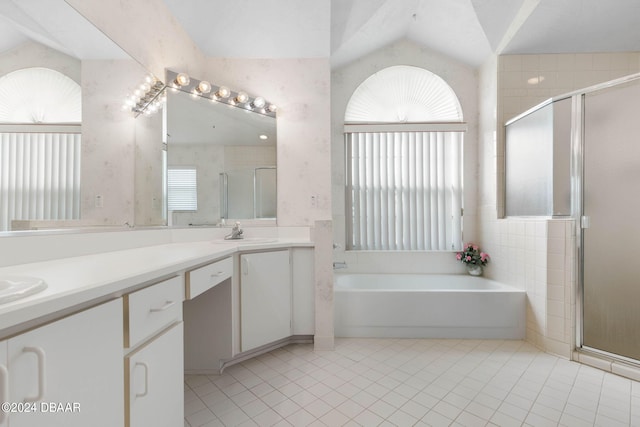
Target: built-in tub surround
x,y
427,306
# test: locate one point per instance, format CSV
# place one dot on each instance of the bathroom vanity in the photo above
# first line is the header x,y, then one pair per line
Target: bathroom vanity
x,y
107,343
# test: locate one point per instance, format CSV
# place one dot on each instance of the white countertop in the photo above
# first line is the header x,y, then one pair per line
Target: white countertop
x,y
74,283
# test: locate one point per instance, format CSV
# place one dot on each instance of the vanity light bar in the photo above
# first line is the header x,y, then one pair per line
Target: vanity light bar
x,y
222,94
147,98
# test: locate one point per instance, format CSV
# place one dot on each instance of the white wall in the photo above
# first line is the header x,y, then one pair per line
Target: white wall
x,y
147,31
108,141
463,80
32,54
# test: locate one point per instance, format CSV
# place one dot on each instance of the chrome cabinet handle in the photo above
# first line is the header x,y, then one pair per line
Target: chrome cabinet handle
x,y
166,306
40,354
146,379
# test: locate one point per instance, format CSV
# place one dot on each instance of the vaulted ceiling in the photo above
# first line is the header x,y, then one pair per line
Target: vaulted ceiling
x,y
467,30
344,30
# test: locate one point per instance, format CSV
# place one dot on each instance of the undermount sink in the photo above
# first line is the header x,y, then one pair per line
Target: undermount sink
x,y
15,287
247,240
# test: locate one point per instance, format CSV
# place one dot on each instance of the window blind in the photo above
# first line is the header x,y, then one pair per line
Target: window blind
x,y
404,190
182,189
39,176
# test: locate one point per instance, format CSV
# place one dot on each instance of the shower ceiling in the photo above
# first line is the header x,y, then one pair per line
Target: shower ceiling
x,y
467,30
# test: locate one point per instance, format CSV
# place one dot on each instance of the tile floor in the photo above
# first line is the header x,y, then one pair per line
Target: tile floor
x,y
406,382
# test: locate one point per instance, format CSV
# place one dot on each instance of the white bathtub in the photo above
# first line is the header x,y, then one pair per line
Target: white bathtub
x,y
427,306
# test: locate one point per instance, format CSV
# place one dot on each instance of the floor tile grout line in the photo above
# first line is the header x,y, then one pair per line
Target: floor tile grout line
x,y
395,360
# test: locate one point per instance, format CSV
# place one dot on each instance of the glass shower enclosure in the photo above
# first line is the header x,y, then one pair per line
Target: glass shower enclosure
x,y
611,234
249,193
578,155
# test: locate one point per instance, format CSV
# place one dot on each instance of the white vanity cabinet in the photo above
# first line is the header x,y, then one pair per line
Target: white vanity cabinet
x,y
265,298
70,370
153,363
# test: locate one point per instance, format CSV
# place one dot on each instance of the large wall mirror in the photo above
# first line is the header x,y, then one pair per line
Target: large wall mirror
x,y
52,61
221,162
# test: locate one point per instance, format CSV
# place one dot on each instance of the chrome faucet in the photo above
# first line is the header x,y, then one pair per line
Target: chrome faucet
x,y
236,232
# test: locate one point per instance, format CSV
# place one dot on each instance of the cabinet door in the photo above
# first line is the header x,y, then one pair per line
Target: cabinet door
x,y
265,298
73,365
4,382
155,382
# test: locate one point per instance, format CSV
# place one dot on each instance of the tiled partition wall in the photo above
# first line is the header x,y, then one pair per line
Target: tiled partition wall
x,y
538,255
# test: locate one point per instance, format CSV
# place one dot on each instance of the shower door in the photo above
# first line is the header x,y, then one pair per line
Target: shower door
x,y
611,221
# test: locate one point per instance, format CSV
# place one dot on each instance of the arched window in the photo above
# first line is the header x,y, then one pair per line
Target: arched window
x,y
39,95
403,94
404,135
40,116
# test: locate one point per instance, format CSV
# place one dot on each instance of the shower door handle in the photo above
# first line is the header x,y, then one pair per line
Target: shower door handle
x,y
585,221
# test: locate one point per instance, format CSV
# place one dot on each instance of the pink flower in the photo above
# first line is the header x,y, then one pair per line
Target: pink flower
x,y
468,258
475,247
484,256
458,256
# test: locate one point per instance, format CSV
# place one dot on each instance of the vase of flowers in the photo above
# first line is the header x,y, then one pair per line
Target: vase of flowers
x,y
474,258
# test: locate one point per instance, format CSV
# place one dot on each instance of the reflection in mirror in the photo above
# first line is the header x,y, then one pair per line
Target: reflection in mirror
x,y
221,162
58,74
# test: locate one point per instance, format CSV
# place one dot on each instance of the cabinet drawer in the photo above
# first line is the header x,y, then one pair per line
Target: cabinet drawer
x,y
151,309
204,278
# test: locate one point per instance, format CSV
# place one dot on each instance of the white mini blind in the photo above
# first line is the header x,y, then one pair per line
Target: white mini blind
x,y
404,190
39,176
182,189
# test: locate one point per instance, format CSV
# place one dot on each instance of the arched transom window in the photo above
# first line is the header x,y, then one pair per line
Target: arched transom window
x,y
39,95
403,94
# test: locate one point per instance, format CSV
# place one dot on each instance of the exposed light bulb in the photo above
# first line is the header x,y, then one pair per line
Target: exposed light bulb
x,y
204,87
263,137
145,87
223,92
242,97
258,102
182,79
272,108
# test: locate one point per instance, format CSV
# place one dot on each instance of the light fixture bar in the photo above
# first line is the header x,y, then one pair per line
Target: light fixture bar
x,y
220,94
147,98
